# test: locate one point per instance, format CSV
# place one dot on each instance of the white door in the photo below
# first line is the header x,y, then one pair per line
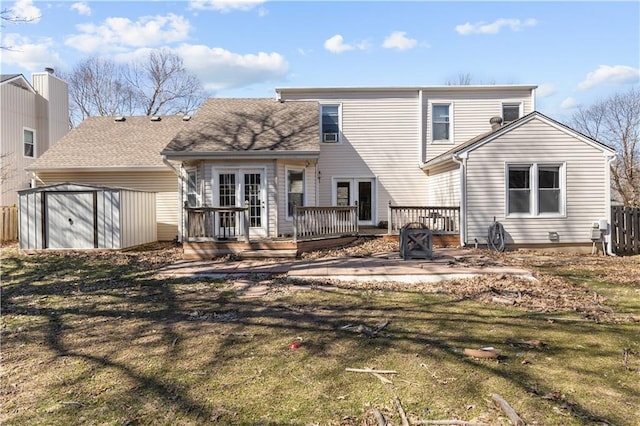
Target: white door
x,y
360,191
240,188
70,220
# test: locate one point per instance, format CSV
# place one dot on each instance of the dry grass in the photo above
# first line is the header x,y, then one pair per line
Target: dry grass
x,y
98,339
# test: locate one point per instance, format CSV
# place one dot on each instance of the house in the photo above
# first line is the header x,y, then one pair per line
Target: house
x,y
34,115
455,158
122,152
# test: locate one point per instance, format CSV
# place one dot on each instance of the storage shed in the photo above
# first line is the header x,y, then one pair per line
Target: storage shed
x,y
78,216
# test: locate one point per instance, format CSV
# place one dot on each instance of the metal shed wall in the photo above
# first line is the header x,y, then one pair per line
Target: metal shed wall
x,y
81,216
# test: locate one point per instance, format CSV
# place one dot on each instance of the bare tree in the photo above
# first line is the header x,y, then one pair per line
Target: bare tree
x,y
462,79
8,16
615,122
156,85
163,85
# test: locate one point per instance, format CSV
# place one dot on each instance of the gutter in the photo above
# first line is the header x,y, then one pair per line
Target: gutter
x,y
462,160
421,135
226,155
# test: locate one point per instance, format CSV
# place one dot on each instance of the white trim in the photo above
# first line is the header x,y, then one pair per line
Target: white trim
x,y
354,194
463,198
520,106
35,145
286,188
534,197
339,135
421,130
607,202
197,182
450,104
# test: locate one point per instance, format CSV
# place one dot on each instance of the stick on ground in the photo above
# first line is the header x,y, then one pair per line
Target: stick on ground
x,y
379,418
450,422
403,415
514,418
368,370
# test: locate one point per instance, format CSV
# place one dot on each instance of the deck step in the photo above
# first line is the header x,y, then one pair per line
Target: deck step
x,y
268,254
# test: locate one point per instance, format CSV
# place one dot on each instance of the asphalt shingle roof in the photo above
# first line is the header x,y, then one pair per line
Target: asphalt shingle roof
x,y
104,142
239,125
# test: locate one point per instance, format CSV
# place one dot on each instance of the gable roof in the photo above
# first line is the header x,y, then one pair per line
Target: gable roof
x,y
231,128
480,140
102,142
16,80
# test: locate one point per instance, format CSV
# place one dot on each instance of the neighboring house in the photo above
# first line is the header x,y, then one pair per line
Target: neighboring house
x,y
121,152
34,117
481,151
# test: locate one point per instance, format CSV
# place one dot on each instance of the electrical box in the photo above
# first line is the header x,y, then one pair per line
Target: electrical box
x,y
603,224
596,234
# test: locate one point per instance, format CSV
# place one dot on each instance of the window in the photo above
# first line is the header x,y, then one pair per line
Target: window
x,y
330,123
441,122
295,190
29,143
535,189
193,196
510,112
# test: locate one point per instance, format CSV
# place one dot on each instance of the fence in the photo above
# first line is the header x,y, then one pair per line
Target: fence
x,y
8,224
317,222
440,220
625,230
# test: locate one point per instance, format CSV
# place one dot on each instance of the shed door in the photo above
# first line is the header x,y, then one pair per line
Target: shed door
x,y
70,220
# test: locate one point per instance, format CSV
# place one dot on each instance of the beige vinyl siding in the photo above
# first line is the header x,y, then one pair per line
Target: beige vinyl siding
x,y
137,216
536,142
285,225
270,179
163,182
443,186
471,112
45,112
380,139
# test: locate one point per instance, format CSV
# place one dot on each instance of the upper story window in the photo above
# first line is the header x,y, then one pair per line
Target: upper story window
x,y
510,112
330,123
535,190
29,139
441,122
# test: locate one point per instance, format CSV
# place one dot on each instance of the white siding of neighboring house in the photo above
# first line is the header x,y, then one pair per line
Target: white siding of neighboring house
x,y
285,225
471,113
163,182
19,109
539,142
443,186
271,191
380,139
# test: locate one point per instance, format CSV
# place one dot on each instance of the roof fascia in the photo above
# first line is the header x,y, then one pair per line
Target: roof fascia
x,y
21,77
97,169
172,155
514,87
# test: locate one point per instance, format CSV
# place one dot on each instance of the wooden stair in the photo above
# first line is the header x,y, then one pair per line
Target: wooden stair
x,y
268,254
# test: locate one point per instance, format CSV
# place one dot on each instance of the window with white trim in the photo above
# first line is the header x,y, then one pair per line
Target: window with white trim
x,y
295,189
510,112
29,141
535,189
441,122
330,125
191,187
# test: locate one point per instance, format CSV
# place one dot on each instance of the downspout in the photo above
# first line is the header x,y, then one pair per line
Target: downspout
x,y
421,135
533,99
607,203
462,160
180,196
34,178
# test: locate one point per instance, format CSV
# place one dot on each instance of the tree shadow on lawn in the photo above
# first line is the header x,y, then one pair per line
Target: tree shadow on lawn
x,y
74,299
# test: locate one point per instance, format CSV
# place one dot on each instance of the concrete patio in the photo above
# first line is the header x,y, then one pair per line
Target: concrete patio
x,y
446,264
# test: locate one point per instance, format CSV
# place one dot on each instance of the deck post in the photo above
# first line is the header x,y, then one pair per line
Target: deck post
x,y
295,223
389,218
245,217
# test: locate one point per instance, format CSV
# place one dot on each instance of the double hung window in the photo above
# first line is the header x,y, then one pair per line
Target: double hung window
x,y
535,190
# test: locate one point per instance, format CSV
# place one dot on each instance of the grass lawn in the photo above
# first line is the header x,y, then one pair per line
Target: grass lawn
x,y
100,339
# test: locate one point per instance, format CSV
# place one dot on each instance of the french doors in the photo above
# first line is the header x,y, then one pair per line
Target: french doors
x,y
240,188
360,191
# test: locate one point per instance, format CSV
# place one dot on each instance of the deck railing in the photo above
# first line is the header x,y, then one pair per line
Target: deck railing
x,y
318,222
440,220
217,223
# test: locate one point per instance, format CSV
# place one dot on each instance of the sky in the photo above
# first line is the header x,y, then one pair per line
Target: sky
x,y
577,52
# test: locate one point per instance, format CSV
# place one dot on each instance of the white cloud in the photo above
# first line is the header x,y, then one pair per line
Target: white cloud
x,y
31,55
117,33
24,9
494,27
336,44
399,40
545,90
569,103
226,5
220,69
82,8
606,74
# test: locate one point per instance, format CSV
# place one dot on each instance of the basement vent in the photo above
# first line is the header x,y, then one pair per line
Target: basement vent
x,y
119,118
156,118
